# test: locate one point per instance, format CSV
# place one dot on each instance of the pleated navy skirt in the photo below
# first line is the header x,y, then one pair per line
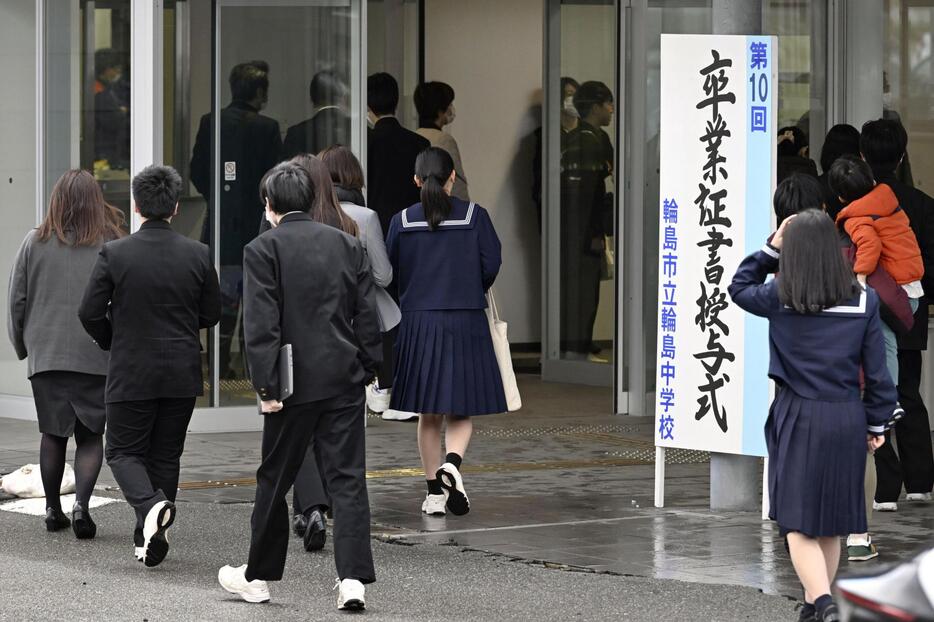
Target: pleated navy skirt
x,y
817,460
445,365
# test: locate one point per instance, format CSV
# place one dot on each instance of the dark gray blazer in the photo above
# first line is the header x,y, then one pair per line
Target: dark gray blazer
x,y
45,289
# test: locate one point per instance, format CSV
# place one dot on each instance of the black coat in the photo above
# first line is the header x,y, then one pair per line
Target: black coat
x,y
390,157
253,143
309,285
148,296
328,127
920,210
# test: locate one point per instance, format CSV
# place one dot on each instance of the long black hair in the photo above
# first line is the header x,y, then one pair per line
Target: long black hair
x,y
812,274
433,167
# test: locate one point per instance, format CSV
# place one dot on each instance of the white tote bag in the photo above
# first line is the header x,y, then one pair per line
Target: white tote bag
x,y
503,356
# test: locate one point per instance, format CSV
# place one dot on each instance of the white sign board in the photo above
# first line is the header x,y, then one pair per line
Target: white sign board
x,y
718,153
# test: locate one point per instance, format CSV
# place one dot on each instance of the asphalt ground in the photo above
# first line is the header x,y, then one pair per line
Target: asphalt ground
x,y
46,576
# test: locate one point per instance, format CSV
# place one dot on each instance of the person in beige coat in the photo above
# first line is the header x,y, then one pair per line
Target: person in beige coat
x,y
434,102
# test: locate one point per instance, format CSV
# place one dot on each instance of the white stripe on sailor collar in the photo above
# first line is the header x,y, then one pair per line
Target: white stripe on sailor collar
x,y
406,224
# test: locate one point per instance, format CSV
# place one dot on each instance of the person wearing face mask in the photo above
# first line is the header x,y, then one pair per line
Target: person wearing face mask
x,y
569,119
250,145
434,102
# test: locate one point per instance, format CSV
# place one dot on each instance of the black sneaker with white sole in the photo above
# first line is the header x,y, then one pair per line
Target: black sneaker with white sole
x,y
453,484
155,544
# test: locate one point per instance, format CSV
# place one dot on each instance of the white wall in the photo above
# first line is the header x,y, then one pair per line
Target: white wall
x,y
490,52
17,161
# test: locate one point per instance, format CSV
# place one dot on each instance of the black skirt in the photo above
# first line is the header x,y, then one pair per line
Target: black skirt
x,y
62,397
817,461
445,365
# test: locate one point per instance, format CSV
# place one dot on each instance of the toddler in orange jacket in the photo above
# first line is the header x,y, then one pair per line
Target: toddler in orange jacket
x,y
881,232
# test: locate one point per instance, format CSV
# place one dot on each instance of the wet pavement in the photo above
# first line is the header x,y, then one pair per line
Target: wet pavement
x,y
560,483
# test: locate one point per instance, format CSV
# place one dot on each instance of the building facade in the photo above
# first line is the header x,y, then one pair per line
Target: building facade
x,y
115,85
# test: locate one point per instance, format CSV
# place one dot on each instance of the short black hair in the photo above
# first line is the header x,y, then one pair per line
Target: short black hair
x,y
289,188
883,143
850,178
590,94
248,78
567,80
156,190
799,140
842,139
796,193
431,99
812,273
382,93
326,88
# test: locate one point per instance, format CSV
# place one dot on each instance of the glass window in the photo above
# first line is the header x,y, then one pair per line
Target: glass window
x,y
87,87
283,85
908,84
588,156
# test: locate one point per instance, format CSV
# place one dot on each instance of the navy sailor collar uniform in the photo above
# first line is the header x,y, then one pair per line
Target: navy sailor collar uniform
x,y
450,267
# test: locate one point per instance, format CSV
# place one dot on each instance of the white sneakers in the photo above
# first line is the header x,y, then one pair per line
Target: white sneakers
x,y
888,506
350,595
398,415
377,399
453,483
155,545
923,497
234,581
433,505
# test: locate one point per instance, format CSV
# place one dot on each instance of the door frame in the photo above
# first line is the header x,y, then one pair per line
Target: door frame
x,y
554,368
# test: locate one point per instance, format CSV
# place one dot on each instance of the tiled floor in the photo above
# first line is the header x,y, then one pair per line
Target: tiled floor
x,y
561,482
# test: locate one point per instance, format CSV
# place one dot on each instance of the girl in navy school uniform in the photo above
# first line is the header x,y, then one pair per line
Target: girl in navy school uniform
x,y
823,328
445,255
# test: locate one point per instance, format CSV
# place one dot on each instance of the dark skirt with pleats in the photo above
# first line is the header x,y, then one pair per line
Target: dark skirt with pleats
x,y
445,365
817,460
63,397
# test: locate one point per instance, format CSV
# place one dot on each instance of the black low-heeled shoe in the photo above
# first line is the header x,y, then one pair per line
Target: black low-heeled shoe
x,y
300,525
55,520
82,524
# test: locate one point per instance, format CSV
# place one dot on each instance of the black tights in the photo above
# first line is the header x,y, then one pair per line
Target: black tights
x,y
89,456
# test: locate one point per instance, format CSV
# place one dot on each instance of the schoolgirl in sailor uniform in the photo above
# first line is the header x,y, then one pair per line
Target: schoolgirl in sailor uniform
x,y
445,255
823,328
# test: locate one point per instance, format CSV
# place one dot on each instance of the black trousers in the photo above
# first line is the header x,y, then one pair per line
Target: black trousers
x,y
337,427
913,465
309,490
145,440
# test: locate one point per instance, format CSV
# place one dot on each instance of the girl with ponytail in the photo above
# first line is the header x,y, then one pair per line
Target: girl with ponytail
x,y
445,256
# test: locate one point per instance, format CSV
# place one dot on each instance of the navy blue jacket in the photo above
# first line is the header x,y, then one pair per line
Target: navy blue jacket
x,y
448,268
819,356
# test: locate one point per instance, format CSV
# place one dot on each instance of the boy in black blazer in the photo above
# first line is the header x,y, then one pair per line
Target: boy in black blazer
x,y
148,296
308,285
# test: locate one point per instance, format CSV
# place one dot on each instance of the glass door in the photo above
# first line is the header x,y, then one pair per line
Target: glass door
x,y
580,199
277,66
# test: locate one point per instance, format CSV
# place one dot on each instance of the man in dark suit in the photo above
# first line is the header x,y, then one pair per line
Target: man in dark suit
x,y
329,125
322,303
148,296
883,144
250,145
391,151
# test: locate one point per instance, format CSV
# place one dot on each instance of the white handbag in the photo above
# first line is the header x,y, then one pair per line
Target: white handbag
x,y
498,331
26,482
